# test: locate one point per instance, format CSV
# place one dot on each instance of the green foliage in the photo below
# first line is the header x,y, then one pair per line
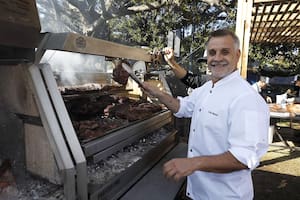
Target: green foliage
x,y
192,19
147,23
276,57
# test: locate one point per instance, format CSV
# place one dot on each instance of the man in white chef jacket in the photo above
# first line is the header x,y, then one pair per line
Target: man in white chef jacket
x,y
229,127
259,86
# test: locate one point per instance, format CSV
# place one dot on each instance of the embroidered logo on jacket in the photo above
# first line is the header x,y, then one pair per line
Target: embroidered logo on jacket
x,y
215,114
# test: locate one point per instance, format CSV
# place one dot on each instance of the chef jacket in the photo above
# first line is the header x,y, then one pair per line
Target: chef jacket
x,y
226,116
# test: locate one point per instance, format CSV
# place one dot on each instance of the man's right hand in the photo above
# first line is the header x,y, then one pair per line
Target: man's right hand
x,y
179,71
151,90
171,102
169,55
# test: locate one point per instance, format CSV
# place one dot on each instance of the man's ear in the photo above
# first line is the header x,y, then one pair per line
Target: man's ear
x,y
238,53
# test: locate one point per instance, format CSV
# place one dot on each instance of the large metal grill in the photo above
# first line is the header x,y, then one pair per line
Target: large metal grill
x,y
123,162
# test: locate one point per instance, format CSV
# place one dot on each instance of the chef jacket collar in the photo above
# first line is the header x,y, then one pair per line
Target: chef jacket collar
x,y
225,79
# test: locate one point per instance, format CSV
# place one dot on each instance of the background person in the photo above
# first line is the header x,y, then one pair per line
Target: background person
x,y
187,77
229,127
296,90
259,86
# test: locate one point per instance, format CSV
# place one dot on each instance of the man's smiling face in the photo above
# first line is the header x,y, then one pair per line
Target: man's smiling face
x,y
222,56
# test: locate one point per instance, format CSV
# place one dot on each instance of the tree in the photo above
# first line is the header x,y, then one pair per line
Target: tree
x,y
193,20
276,59
139,23
147,23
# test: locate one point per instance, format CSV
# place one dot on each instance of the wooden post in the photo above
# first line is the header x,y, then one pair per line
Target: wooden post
x,y
243,25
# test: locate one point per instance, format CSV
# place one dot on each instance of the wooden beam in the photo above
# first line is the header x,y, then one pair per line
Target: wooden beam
x,y
268,1
275,22
82,44
20,24
244,13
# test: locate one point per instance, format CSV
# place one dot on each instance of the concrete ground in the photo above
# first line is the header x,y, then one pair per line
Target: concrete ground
x,y
278,176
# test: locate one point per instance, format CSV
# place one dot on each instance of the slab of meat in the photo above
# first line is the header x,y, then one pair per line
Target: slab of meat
x,y
94,117
85,108
90,129
75,89
136,111
119,74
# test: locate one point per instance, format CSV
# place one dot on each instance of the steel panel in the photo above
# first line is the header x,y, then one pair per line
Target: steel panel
x,y
68,131
53,131
121,183
143,127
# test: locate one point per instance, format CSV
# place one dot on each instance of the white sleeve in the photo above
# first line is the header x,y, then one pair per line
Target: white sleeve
x,y
186,107
248,134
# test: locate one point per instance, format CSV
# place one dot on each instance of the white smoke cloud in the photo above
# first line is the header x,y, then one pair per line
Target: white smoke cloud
x,y
71,68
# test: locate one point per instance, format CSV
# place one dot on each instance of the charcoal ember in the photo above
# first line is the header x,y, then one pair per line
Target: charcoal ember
x,y
101,172
120,75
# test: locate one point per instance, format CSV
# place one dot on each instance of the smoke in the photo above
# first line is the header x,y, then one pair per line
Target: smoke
x,y
75,68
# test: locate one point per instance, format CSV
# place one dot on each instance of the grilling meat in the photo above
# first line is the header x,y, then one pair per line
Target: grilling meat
x,y
85,108
95,119
75,89
120,75
134,111
142,111
93,115
89,129
89,88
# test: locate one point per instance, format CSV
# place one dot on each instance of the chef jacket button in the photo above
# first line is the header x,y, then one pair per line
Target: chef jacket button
x,y
193,130
188,194
199,109
210,91
191,150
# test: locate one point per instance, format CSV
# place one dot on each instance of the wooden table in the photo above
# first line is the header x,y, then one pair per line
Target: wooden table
x,y
290,112
284,111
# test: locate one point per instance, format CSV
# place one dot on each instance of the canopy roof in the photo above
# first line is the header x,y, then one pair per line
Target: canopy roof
x,y
275,21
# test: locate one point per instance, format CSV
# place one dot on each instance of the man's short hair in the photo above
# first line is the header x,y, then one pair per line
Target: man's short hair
x,y
263,79
224,32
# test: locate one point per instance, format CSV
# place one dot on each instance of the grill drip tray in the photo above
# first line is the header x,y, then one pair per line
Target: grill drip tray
x,y
111,177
